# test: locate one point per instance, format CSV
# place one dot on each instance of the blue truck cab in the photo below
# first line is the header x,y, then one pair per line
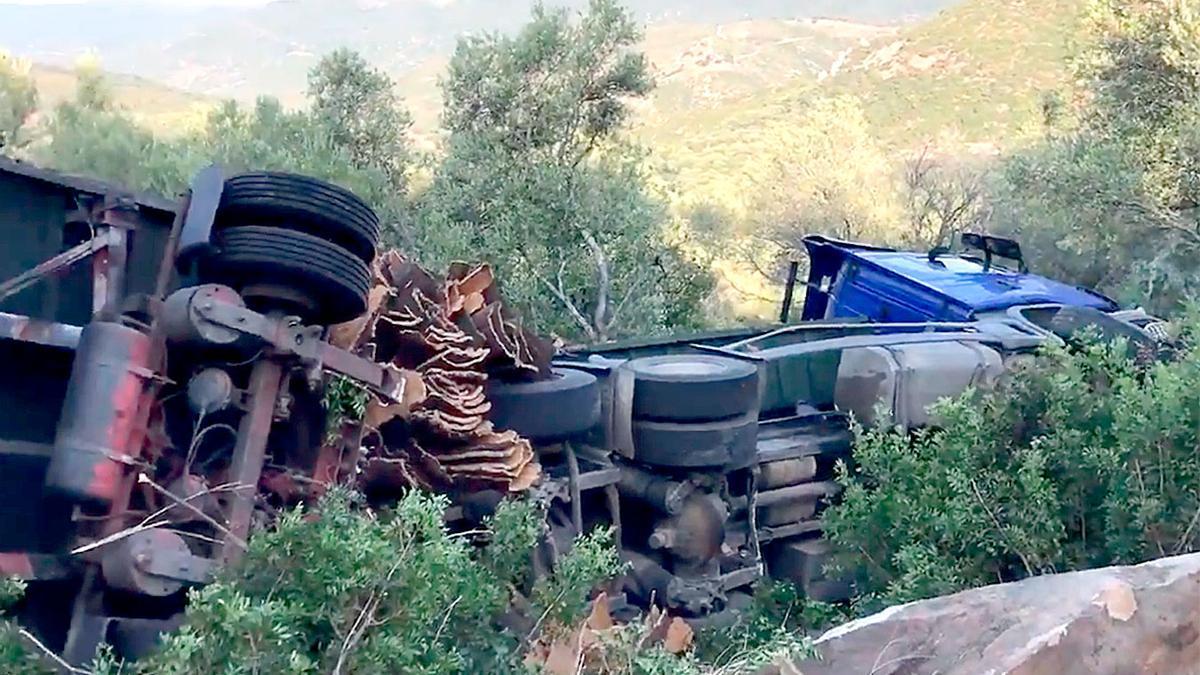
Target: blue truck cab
x,y
857,281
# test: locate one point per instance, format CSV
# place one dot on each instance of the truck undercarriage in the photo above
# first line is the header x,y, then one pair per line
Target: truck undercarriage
x,y
166,368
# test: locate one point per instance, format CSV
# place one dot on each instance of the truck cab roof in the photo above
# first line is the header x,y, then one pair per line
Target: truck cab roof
x,y
847,279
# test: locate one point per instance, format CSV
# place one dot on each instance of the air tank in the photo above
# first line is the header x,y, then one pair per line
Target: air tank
x,y
100,413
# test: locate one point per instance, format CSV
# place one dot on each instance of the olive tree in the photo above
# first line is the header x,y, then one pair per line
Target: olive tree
x,y
538,179
18,100
1111,200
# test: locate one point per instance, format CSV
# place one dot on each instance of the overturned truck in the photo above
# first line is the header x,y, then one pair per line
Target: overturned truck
x,y
166,366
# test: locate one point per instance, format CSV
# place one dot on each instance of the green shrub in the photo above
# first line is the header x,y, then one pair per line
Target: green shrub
x,y
352,591
1080,459
18,656
775,626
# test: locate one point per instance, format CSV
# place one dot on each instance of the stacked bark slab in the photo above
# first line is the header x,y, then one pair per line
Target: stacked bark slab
x,y
447,336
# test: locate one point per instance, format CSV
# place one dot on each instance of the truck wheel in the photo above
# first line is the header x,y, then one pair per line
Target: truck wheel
x,y
692,387
730,443
565,405
303,204
278,269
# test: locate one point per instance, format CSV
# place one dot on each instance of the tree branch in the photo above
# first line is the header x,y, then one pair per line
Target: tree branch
x,y
603,283
560,294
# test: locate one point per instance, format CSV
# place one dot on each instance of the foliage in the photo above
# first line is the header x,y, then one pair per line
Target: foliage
x,y
18,656
563,596
345,401
827,175
358,106
941,201
1081,459
91,135
348,591
1110,200
18,100
774,627
94,135
536,178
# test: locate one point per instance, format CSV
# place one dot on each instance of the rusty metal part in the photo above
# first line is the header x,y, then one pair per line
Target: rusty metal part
x,y
97,435
166,266
787,513
193,499
249,453
803,491
573,486
153,562
215,314
109,263
664,494
28,329
210,390
183,323
696,534
33,566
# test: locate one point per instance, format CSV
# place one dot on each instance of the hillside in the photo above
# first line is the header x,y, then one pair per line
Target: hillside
x,y
972,76
232,52
161,108
968,81
697,67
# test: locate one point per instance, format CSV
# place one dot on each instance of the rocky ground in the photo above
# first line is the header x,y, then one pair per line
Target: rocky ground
x,y
1143,619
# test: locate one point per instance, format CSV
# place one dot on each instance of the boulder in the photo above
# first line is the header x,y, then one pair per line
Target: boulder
x,y
1118,620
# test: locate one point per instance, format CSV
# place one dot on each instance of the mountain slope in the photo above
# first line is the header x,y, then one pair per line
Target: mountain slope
x,y
968,81
971,76
161,108
696,67
245,52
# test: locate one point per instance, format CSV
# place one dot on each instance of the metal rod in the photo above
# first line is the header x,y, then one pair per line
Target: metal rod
x,y
108,273
614,511
799,492
163,278
250,450
28,329
50,266
576,495
789,289
864,325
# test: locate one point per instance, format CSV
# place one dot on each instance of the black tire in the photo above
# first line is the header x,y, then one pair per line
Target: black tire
x,y
558,408
332,278
302,204
730,443
692,387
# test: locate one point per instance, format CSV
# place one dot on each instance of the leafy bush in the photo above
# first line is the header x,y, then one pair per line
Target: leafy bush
x,y
1079,459
774,627
351,591
17,654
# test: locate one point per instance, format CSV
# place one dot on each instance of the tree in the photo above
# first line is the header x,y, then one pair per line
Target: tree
x,y
1112,202
942,202
538,179
359,107
91,135
826,175
369,154
18,100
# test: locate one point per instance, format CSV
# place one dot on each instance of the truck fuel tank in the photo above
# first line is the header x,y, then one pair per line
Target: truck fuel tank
x,y
98,426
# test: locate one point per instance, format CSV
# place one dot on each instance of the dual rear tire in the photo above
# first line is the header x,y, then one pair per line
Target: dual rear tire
x,y
293,244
